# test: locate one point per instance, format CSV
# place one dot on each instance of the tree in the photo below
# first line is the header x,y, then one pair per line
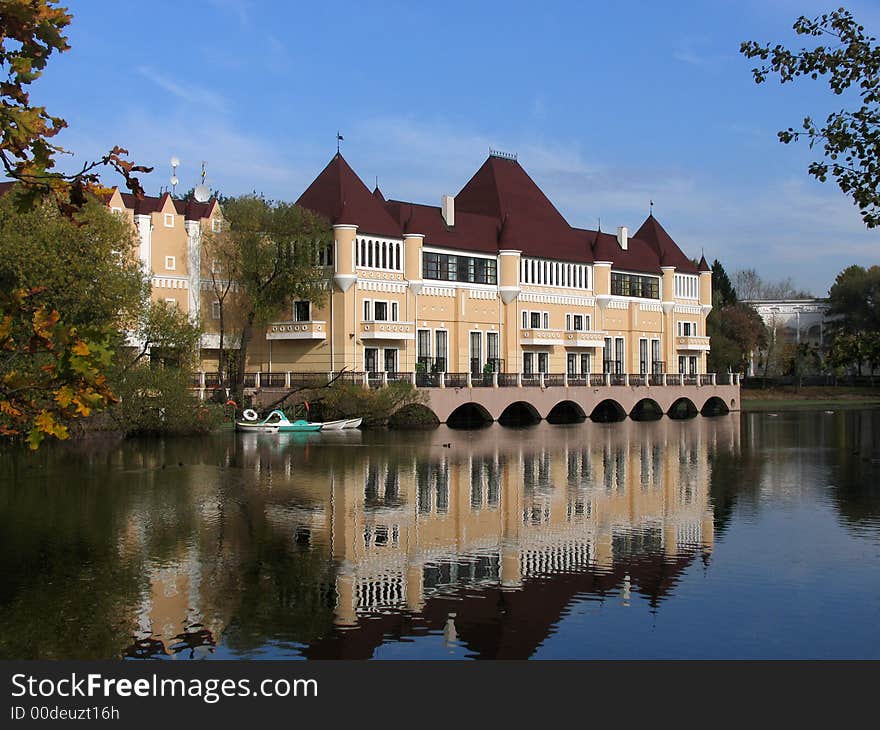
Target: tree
x,y
270,254
854,304
849,138
750,286
736,330
50,372
32,30
221,253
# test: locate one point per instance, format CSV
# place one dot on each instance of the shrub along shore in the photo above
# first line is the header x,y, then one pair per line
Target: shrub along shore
x,y
810,397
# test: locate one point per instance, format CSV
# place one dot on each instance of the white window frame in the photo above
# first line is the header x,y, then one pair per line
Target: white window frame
x,y
215,310
216,225
168,220
293,311
171,301
367,310
172,266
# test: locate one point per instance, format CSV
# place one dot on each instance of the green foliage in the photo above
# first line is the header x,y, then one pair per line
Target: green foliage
x,y
271,252
375,405
84,267
735,329
50,373
158,400
850,138
854,301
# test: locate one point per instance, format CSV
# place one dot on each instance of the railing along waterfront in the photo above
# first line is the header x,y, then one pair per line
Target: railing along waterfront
x,y
203,381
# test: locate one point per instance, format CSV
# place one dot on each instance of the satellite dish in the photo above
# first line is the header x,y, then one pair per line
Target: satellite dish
x,y
202,193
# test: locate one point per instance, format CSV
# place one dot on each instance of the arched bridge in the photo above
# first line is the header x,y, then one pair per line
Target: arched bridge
x,y
601,402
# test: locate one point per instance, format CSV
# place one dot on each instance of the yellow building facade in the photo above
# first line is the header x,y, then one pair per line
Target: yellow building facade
x,y
491,280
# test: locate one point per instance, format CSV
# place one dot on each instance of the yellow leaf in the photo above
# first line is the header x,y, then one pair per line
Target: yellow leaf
x,y
80,348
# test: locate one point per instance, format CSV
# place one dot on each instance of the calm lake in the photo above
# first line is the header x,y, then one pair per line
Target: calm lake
x,y
741,536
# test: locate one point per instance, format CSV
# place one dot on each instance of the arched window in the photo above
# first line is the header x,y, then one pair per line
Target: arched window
x,y
397,256
370,253
363,252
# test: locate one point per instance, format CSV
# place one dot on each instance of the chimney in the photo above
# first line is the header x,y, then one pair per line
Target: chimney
x,y
622,237
447,208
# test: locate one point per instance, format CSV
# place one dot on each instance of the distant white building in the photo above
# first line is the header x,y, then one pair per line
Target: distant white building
x,y
793,320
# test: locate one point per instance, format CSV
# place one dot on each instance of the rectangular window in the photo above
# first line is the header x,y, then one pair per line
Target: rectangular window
x,y
656,359
528,363
170,263
682,360
571,363
585,363
607,356
525,317
447,267
368,311
492,351
643,356
423,345
568,321
633,285
440,355
543,362
216,225
394,310
476,352
390,360
578,322
169,220
380,311
215,310
302,312
371,357
216,266
171,302
546,320
692,364
536,320
618,356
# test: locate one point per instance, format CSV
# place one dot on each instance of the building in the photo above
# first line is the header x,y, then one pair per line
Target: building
x,y
492,279
792,322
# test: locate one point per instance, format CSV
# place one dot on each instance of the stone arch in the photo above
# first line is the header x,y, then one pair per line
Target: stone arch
x,y
414,415
715,406
469,415
519,413
566,411
682,408
607,411
647,409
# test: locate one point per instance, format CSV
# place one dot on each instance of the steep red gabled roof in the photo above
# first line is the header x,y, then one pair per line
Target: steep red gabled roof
x,y
341,196
667,249
703,265
501,188
471,232
638,256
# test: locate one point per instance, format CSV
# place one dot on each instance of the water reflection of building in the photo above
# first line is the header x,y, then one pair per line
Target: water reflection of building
x,y
486,543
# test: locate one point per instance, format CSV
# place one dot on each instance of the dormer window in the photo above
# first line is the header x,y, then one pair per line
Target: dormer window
x,y
216,225
169,220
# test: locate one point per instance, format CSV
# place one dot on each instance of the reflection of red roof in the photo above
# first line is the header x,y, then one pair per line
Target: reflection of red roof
x,y
339,195
500,207
504,624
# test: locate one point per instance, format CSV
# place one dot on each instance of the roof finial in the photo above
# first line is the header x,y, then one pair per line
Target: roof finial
x,y
651,208
600,225
339,138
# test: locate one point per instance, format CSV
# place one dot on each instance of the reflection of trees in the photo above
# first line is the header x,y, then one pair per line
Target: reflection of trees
x,y
856,488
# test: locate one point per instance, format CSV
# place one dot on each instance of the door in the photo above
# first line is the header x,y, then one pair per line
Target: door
x,y
692,364
476,353
682,364
585,363
423,350
390,360
607,356
492,353
528,363
643,356
543,362
571,363
656,364
618,355
440,351
371,358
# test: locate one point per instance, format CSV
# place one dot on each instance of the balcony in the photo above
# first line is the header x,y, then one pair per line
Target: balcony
x,y
692,343
387,330
297,331
567,338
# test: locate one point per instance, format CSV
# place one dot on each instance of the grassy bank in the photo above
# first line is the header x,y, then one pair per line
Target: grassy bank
x,y
806,398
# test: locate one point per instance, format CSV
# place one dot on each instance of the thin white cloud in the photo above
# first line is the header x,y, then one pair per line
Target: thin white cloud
x,y
191,95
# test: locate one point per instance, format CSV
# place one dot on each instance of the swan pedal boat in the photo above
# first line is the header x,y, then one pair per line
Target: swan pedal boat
x,y
276,422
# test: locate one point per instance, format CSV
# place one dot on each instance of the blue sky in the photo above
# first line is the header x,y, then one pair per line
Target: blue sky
x,y
607,106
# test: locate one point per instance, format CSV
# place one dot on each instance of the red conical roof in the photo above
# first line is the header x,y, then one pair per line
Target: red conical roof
x,y
667,249
341,196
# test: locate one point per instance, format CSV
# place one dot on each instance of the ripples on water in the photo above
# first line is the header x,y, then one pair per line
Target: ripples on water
x,y
737,536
